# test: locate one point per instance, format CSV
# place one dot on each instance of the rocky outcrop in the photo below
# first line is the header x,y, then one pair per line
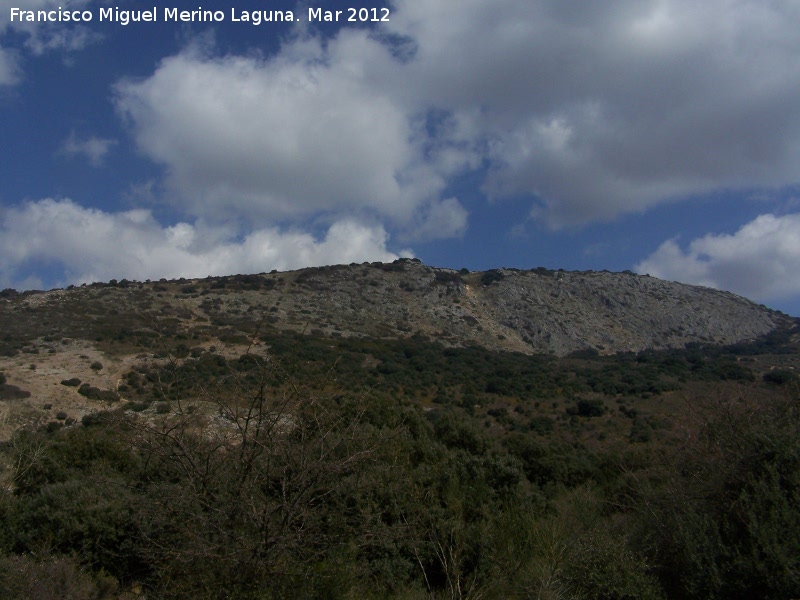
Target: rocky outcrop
x,y
539,310
531,311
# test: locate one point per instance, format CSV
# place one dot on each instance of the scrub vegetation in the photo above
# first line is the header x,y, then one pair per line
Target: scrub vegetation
x,y
201,448
315,467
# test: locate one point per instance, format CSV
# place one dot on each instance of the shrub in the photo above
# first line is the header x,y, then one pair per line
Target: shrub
x,y
12,392
588,408
94,418
138,406
93,393
641,431
489,277
447,277
601,565
74,382
51,578
780,376
541,425
720,525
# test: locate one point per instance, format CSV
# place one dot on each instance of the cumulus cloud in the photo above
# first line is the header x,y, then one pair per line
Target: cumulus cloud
x,y
440,220
40,37
590,110
93,149
602,108
303,133
85,245
760,261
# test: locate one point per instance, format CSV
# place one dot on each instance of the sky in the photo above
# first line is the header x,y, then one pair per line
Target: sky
x,y
659,136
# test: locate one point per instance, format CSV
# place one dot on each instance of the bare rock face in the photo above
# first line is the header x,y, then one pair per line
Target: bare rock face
x,y
534,311
539,310
560,312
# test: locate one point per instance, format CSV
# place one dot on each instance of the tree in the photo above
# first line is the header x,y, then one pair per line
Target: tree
x,y
720,516
258,492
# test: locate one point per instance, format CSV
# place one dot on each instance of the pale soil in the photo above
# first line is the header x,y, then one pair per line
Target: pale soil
x,y
73,359
44,383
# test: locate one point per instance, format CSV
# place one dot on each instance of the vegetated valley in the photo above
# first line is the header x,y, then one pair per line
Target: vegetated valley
x,y
398,431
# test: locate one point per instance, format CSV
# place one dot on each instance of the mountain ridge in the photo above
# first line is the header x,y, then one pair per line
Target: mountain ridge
x,y
530,311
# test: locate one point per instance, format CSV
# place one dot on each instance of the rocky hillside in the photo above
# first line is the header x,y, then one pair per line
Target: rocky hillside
x,y
155,437
535,311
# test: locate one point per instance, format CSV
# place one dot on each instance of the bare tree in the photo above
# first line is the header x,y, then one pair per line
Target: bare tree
x,y
251,478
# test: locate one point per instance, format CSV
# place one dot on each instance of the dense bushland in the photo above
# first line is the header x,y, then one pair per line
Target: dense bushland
x,y
319,468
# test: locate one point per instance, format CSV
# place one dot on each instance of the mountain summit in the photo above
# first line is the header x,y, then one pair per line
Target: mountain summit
x,y
529,311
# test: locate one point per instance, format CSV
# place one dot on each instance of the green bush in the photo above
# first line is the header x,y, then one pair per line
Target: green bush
x,y
780,376
52,578
490,277
720,523
94,393
600,565
588,408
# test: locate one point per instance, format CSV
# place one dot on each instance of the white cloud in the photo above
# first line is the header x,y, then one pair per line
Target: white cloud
x,y
760,261
603,108
40,37
304,133
87,245
9,68
590,109
48,39
93,149
44,37
442,220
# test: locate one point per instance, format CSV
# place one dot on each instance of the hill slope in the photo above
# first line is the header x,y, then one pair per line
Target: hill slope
x,y
156,437
536,311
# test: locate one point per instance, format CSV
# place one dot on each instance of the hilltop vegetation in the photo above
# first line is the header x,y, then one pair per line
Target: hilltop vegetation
x,y
202,448
534,311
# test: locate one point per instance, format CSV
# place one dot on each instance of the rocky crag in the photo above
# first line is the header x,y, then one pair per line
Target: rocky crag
x,y
530,311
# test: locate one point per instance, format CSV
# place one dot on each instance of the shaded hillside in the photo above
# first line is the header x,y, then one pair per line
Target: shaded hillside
x,y
309,467
536,311
365,432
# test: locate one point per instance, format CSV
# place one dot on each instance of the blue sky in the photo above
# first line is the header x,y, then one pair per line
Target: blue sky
x,y
661,136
